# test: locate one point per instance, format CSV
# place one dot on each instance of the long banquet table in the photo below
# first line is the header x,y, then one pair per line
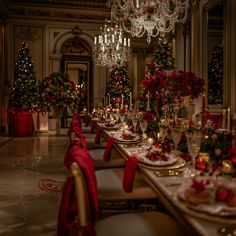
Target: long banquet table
x,y
165,187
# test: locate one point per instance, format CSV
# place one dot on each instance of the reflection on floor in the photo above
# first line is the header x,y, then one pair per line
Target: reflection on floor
x,y
28,205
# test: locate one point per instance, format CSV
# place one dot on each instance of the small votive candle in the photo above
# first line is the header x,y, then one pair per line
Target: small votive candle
x,y
227,167
204,157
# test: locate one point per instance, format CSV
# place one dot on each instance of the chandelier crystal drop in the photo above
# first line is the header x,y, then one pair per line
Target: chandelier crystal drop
x,y
111,46
150,17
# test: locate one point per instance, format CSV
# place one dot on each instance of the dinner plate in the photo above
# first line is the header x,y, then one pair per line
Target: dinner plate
x,y
119,139
178,164
215,211
115,127
141,156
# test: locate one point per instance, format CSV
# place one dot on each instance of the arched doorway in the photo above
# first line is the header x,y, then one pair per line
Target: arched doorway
x,y
76,61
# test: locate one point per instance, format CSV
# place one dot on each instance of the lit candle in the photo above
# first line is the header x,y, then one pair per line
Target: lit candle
x,y
203,104
130,100
109,101
228,119
148,101
203,110
122,101
128,42
95,40
156,102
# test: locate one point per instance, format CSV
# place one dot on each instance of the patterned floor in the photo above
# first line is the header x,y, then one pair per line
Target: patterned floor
x,y
31,176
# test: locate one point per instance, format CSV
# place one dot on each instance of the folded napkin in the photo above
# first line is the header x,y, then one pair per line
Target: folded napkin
x,y
77,130
107,152
98,135
79,136
84,159
129,173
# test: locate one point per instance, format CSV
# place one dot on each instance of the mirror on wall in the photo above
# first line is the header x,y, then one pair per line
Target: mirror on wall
x,y
215,53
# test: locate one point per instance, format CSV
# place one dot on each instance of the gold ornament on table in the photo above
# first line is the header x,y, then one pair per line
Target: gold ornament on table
x,y
227,167
204,157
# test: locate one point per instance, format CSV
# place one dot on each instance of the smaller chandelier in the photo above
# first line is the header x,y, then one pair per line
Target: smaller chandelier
x,y
111,47
150,17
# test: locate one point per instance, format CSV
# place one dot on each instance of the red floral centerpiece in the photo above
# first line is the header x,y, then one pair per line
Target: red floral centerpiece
x,y
59,92
171,87
179,83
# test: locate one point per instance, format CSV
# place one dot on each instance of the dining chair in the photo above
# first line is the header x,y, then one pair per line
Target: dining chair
x,y
152,223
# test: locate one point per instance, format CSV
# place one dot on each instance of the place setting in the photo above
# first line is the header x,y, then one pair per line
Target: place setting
x,y
209,198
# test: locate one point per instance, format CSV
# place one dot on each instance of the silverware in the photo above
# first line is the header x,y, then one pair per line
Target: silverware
x,y
169,173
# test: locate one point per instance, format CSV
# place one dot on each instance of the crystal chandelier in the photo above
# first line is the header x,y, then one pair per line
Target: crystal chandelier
x,y
150,17
111,47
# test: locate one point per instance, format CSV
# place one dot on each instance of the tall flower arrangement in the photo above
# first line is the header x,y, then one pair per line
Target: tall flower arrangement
x,y
170,86
58,92
164,84
161,60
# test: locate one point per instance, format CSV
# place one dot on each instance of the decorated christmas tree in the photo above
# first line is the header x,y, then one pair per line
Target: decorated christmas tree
x,y
215,76
24,95
119,85
163,59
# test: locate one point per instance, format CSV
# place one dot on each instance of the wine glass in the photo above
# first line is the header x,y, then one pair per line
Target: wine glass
x,y
194,145
163,128
122,118
176,136
143,126
135,122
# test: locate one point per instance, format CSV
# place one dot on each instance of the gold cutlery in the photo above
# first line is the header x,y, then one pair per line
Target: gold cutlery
x,y
169,173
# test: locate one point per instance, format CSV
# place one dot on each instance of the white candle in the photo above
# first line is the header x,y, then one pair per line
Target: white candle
x,y
148,101
130,100
109,99
228,119
223,118
122,101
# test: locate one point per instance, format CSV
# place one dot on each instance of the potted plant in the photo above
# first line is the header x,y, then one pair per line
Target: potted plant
x,y
58,93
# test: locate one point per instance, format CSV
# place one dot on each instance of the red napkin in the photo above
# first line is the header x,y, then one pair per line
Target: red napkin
x,y
98,135
79,135
77,130
75,122
129,173
68,211
107,152
65,210
84,159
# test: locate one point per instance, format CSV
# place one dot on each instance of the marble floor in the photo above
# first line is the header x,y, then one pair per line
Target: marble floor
x,y
31,177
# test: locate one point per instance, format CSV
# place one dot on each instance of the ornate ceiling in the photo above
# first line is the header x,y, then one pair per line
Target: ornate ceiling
x,y
60,10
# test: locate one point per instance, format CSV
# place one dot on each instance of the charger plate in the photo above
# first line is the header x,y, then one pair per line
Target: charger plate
x,y
179,163
216,212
